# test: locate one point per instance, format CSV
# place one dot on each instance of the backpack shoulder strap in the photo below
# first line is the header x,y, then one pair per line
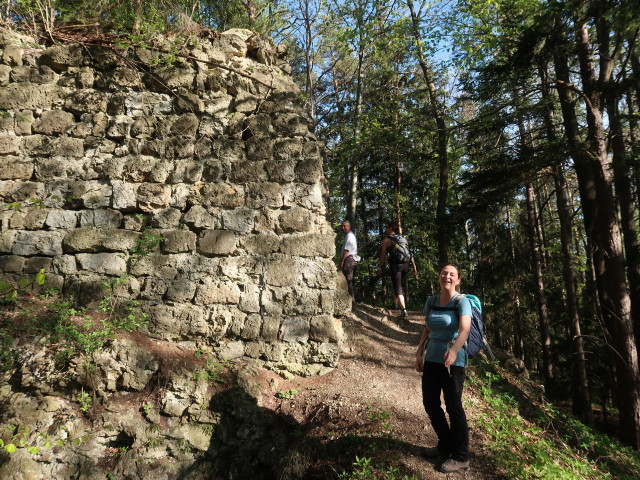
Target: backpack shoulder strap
x,y
456,303
429,305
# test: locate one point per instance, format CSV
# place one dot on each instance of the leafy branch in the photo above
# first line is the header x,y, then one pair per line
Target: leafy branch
x,y
9,292
13,438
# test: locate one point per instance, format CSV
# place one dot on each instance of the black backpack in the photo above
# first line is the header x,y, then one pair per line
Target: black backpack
x,y
400,252
476,339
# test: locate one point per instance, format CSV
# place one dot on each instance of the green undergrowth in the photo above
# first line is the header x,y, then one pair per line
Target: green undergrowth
x,y
31,313
365,468
533,440
68,331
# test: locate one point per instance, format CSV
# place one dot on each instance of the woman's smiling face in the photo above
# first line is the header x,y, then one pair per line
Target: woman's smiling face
x,y
449,277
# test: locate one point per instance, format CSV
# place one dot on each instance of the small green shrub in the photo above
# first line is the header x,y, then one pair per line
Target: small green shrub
x,y
85,401
211,372
287,393
365,468
77,333
146,244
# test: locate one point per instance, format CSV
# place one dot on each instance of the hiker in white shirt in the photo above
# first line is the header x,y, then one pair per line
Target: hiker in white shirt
x,y
348,261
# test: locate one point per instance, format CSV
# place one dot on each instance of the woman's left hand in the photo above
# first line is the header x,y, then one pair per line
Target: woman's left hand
x,y
450,356
419,362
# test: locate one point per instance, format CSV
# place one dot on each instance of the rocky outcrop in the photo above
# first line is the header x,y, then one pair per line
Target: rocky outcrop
x,y
141,411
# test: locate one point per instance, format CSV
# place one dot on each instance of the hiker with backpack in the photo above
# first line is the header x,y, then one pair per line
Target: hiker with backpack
x,y
442,358
396,247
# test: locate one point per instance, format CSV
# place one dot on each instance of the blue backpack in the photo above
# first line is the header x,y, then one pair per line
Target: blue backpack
x,y
476,339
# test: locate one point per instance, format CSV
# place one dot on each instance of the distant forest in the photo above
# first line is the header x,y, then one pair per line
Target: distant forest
x,y
502,134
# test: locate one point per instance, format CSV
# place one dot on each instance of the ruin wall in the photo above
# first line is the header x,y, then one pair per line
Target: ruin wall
x,y
201,141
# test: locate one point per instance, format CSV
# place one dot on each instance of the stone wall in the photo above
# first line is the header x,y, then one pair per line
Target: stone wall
x,y
200,141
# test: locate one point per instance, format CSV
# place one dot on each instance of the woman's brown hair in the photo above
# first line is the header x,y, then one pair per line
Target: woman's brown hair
x,y
394,226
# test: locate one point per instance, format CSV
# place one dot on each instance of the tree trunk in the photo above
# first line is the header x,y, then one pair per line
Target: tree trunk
x,y
634,135
580,381
582,394
252,11
633,104
437,110
540,228
622,173
536,263
608,259
518,342
541,298
354,177
397,159
137,16
308,42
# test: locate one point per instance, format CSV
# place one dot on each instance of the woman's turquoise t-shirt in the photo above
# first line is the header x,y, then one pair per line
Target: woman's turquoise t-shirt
x,y
443,325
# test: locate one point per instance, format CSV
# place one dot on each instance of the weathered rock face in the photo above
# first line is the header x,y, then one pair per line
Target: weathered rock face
x,y
156,415
206,148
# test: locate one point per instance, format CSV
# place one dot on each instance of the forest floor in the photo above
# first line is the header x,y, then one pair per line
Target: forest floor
x,y
365,419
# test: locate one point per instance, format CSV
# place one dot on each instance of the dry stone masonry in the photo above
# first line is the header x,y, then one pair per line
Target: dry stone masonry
x,y
200,141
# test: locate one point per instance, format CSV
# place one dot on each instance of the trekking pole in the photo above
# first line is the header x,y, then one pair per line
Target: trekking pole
x,y
487,349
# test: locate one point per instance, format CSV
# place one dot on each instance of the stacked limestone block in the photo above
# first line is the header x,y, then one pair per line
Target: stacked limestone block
x,y
204,142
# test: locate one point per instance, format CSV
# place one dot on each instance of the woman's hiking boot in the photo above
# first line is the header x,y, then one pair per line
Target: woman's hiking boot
x,y
450,465
432,452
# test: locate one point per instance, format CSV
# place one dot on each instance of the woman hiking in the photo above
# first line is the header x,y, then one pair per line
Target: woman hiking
x,y
442,359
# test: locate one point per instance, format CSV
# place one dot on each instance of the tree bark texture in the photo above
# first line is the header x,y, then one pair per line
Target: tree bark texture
x,y
603,228
622,173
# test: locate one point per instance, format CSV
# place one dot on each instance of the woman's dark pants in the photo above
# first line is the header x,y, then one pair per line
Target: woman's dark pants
x,y
453,435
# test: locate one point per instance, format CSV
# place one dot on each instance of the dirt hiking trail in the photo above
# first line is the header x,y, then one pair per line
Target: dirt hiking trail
x,y
371,404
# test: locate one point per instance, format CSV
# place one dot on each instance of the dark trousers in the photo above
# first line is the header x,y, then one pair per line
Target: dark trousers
x,y
453,435
349,269
399,277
